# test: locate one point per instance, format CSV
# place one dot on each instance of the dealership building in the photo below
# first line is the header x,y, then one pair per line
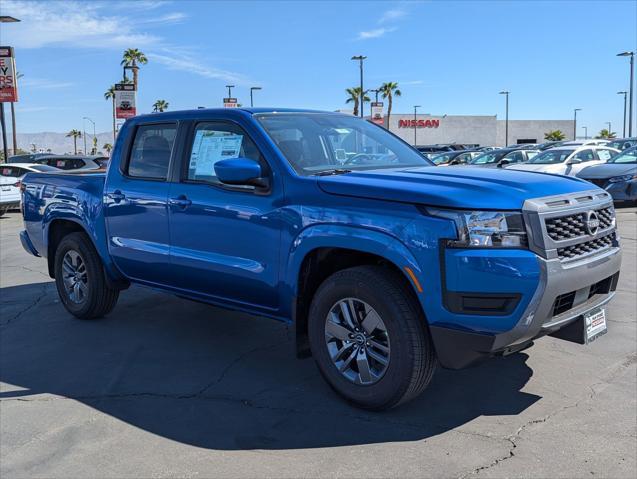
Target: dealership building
x,y
478,130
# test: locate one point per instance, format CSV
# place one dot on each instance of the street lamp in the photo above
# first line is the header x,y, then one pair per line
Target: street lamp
x,y
415,122
630,89
360,59
585,132
506,123
87,118
624,128
609,129
252,88
575,110
376,92
3,126
229,87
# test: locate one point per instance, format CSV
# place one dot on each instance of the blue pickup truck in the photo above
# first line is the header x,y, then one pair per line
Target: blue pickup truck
x,y
384,264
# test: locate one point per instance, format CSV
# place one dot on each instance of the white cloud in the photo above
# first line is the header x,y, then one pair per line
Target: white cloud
x,y
194,65
376,33
391,15
43,84
79,24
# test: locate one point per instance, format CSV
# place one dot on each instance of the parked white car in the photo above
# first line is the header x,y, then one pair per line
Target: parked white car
x,y
567,160
592,141
11,175
9,194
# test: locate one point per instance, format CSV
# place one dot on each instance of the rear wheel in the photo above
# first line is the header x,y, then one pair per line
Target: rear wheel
x,y
80,278
369,337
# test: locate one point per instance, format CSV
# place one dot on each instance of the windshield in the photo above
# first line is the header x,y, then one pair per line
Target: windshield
x,y
628,156
550,157
43,168
487,158
315,143
442,158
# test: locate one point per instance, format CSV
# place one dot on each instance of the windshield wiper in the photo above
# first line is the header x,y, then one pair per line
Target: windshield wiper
x,y
335,171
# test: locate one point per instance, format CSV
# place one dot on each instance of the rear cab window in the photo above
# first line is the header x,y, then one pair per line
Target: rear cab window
x,y
151,151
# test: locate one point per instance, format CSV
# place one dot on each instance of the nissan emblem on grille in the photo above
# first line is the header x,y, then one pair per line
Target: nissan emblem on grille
x,y
592,223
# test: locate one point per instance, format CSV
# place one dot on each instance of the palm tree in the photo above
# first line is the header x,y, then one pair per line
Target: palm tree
x,y
75,134
15,135
133,58
389,90
607,134
108,148
355,97
110,94
160,106
554,135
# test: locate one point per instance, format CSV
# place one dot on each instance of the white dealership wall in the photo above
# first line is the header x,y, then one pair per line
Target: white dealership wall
x,y
486,130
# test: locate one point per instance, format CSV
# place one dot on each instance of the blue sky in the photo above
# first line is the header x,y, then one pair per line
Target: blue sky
x,y
450,57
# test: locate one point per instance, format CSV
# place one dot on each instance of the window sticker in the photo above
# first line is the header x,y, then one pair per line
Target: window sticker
x,y
210,147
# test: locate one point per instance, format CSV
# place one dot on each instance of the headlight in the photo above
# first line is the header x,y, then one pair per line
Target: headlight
x,y
498,229
619,179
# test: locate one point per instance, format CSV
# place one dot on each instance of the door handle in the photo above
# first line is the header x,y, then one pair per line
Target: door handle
x,y
181,202
117,196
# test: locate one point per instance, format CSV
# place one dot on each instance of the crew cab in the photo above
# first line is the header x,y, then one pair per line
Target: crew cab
x,y
384,265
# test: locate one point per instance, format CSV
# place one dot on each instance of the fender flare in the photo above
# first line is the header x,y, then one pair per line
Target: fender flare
x,y
355,238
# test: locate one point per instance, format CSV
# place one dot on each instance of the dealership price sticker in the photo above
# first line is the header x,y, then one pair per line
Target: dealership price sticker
x,y
8,79
210,147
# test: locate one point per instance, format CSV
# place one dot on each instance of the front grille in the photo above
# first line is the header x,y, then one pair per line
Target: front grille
x,y
572,226
563,303
587,247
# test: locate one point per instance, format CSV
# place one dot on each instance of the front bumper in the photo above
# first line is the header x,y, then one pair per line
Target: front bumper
x,y
623,191
579,286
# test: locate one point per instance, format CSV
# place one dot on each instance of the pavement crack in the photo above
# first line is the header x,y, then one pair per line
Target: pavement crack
x,y
29,306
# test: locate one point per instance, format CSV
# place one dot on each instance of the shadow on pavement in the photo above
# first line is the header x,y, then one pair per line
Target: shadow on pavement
x,y
217,379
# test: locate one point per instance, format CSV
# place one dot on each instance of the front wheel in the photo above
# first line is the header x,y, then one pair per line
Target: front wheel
x,y
80,280
369,337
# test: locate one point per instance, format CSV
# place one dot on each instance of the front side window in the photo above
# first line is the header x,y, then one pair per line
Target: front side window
x,y
315,143
551,157
216,141
11,172
584,156
515,157
152,147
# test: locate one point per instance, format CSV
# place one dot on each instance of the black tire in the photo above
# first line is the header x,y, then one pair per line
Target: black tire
x,y
412,358
99,299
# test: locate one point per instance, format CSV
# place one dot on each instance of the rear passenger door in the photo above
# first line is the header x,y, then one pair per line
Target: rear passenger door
x,y
135,204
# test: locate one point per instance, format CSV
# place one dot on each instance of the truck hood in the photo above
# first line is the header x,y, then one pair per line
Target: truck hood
x,y
608,170
468,188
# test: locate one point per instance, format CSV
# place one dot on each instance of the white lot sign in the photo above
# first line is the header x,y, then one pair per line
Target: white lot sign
x,y
125,96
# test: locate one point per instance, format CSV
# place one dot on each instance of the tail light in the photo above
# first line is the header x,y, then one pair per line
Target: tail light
x,y
18,184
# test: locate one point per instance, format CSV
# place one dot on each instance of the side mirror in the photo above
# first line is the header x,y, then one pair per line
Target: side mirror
x,y
240,171
573,161
503,162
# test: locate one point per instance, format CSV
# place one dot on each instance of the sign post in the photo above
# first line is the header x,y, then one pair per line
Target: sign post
x,y
125,97
230,103
8,90
377,113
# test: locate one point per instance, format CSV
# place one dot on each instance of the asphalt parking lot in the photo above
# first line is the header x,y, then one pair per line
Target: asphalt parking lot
x,y
164,387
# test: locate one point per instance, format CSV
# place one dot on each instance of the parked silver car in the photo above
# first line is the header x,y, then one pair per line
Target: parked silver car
x,y
618,176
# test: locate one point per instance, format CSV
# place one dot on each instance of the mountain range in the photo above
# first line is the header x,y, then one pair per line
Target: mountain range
x,y
58,143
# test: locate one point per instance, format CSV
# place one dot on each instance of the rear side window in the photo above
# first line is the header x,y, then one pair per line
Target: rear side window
x,y
604,155
66,163
584,156
152,147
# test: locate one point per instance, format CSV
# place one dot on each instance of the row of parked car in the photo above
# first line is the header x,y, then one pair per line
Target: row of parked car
x,y
608,164
12,172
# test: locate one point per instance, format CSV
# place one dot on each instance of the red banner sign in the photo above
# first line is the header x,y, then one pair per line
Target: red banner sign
x,y
8,80
418,123
125,96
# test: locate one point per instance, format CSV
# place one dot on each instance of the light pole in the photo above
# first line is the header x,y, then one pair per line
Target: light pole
x,y
630,89
3,125
252,88
415,122
609,130
624,129
376,92
229,87
575,110
506,122
585,132
360,59
87,118
84,132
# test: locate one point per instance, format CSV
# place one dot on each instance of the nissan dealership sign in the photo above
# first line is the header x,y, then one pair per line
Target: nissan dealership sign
x,y
418,123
